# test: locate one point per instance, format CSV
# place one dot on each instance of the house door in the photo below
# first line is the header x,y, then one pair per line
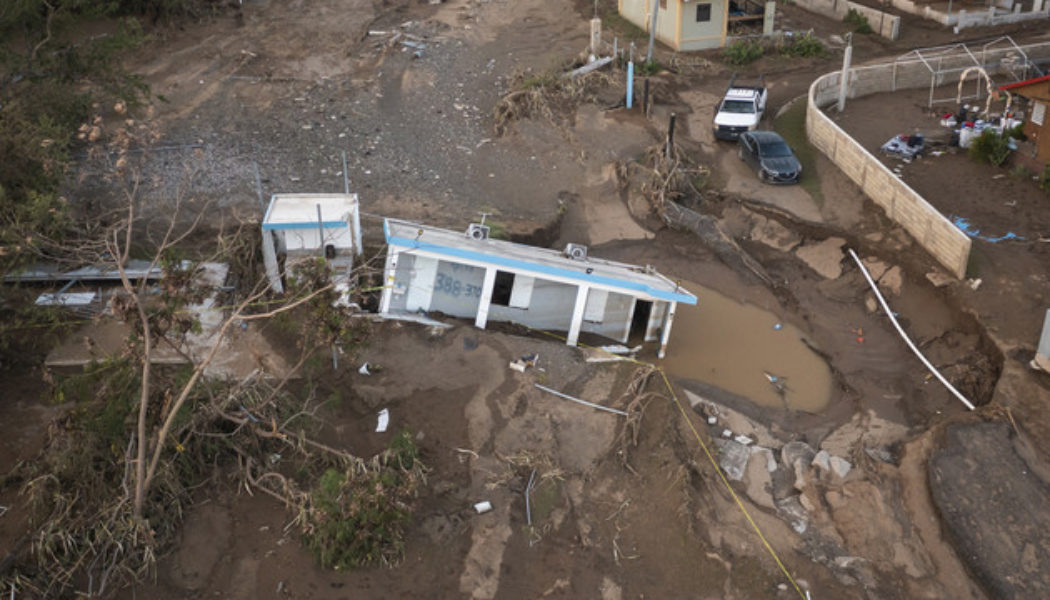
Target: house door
x,y
640,320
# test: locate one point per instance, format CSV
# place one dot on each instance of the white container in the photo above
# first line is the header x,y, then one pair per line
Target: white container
x,y
483,507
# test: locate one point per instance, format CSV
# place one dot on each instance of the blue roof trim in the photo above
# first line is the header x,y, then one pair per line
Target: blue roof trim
x,y
306,225
539,268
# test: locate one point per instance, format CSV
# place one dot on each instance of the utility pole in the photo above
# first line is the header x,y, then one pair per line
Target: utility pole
x,y
847,56
652,32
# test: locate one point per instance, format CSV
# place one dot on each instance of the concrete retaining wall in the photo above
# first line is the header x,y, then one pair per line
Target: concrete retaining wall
x,y
883,23
930,228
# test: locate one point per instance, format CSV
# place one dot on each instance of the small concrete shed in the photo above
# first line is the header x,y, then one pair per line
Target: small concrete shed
x,y
468,275
301,226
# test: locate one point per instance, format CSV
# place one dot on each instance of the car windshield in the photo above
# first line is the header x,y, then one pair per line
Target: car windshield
x,y
775,149
738,106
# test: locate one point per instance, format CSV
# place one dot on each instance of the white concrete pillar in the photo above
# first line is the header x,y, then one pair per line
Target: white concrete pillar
x,y
389,277
665,335
359,242
1042,354
630,321
485,301
577,315
847,56
273,273
767,18
596,36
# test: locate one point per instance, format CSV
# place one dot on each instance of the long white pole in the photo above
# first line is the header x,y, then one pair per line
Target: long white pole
x,y
652,32
907,340
847,57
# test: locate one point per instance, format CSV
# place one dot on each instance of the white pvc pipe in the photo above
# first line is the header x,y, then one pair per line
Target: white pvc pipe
x,y
583,402
889,313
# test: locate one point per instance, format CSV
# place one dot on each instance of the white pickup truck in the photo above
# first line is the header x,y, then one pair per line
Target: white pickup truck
x,y
740,110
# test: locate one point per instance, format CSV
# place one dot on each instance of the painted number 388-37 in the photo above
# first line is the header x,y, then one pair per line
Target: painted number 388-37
x,y
455,287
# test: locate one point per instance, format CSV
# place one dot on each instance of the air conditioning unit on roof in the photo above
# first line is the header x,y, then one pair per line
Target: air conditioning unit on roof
x,y
477,231
576,251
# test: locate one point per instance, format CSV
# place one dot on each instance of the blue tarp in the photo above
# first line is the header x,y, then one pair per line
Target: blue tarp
x,y
964,225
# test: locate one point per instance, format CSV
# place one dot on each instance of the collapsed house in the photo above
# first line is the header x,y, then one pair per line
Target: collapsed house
x,y
471,276
300,227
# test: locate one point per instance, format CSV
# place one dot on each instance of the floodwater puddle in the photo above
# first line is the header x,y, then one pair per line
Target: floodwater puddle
x,y
747,351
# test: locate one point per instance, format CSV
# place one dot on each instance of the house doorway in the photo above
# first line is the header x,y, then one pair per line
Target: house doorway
x,y
640,321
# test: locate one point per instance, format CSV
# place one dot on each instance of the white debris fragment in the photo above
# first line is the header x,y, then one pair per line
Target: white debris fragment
x,y
384,421
483,507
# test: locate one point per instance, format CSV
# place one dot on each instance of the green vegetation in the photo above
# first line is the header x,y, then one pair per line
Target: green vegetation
x,y
805,46
356,515
858,22
1016,132
1020,172
649,68
792,127
743,52
990,147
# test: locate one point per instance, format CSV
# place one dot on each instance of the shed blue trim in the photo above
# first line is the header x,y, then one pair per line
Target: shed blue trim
x,y
522,265
306,225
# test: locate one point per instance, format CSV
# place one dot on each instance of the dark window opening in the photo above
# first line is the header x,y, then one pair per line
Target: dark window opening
x,y
502,288
663,4
703,13
329,251
640,319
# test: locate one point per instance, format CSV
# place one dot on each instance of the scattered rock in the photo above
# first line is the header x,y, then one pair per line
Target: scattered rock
x,y
793,452
881,455
733,458
792,511
939,279
840,467
800,470
892,280
822,460
823,257
733,420
759,482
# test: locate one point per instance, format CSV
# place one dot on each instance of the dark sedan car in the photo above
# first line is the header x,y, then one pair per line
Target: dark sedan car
x,y
770,156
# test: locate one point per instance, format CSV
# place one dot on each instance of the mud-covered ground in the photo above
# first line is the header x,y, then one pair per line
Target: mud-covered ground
x,y
285,88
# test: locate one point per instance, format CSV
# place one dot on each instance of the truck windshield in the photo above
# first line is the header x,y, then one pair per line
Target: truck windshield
x,y
738,106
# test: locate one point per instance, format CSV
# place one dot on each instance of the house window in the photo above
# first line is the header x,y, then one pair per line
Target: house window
x,y
1039,113
703,13
502,288
663,4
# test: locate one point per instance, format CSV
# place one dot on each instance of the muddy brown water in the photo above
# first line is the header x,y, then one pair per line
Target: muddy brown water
x,y
737,347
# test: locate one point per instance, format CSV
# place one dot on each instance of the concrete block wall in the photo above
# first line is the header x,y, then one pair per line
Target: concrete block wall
x,y
884,24
945,242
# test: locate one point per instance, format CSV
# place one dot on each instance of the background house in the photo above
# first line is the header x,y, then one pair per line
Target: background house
x,y
696,24
1036,117
300,226
470,276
